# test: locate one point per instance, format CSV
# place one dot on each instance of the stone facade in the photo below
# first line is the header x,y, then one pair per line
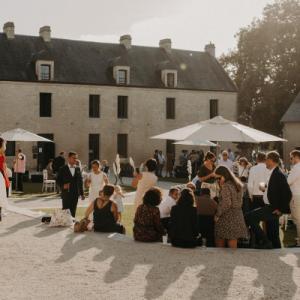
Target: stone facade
x,y
70,123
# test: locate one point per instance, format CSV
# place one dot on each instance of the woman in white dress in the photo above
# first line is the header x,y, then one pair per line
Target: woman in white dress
x,y
96,180
147,181
4,181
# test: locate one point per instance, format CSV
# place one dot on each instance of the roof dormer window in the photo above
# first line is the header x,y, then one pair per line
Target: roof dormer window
x,y
122,75
45,70
169,78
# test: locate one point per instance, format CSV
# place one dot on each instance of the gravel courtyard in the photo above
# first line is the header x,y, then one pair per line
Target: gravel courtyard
x,y
38,262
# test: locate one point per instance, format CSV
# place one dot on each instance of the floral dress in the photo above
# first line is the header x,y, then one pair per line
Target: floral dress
x,y
231,224
147,225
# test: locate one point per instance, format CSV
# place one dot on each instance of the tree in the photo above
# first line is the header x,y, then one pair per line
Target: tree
x,y
266,65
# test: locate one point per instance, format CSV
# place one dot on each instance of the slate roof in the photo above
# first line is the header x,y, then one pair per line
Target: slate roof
x,y
83,62
293,112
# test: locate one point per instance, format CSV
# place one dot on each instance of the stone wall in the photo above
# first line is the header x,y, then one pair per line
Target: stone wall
x,y
71,125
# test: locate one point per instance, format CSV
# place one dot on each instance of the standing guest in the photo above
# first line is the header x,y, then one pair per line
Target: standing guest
x,y
243,168
96,180
147,181
206,174
231,155
118,199
137,176
183,230
277,199
206,210
105,212
70,180
257,174
170,164
49,168
105,166
147,225
58,162
20,169
194,157
166,206
225,161
183,158
294,182
155,156
229,220
161,163
4,181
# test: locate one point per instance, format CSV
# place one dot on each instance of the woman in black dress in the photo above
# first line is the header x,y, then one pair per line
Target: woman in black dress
x,y
105,212
183,222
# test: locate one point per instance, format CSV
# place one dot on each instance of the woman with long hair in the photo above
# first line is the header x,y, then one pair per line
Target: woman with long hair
x,y
4,181
206,174
229,220
183,222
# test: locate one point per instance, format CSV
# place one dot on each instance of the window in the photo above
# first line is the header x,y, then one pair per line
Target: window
x,y
170,108
10,148
45,105
45,72
94,146
122,145
94,106
122,107
122,77
170,80
46,151
214,108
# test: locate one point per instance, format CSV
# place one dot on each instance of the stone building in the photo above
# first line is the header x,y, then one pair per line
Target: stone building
x,y
99,98
291,128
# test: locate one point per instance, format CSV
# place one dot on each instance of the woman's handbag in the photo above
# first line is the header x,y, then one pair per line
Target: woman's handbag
x,y
61,218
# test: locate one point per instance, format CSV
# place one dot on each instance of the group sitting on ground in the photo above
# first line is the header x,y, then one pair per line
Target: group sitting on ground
x,y
221,207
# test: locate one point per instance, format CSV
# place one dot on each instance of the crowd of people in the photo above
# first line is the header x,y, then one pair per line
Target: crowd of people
x,y
230,202
227,203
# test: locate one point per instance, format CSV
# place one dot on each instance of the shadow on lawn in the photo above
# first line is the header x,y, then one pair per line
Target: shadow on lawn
x,y
213,283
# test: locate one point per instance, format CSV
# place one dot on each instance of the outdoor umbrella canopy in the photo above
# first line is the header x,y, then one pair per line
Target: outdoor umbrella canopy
x,y
221,130
196,143
21,135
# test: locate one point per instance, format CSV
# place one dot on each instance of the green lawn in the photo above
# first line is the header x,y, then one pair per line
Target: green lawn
x,y
127,216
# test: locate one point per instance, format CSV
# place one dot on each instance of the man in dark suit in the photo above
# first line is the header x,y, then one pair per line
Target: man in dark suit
x,y
277,202
70,180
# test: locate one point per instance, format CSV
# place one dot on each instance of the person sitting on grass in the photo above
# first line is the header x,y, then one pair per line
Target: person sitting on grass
x,y
166,206
147,225
105,212
183,223
206,210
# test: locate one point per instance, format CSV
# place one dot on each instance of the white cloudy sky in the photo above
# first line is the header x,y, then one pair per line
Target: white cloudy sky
x,y
189,23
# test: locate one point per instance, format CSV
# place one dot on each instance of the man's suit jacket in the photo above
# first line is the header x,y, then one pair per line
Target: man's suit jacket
x,y
279,192
76,185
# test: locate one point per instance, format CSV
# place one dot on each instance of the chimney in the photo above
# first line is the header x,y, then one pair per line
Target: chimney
x,y
9,30
166,44
211,49
125,40
45,33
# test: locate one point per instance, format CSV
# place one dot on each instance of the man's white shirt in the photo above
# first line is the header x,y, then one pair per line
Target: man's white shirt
x,y
257,174
166,206
294,180
72,169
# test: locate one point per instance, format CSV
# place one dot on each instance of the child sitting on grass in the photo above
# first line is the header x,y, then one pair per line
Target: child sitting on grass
x,y
118,199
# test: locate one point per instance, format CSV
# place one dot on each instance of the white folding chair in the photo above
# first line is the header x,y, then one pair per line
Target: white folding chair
x,y
48,184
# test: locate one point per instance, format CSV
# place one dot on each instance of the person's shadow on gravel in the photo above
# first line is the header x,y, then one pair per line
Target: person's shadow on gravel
x,y
271,278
